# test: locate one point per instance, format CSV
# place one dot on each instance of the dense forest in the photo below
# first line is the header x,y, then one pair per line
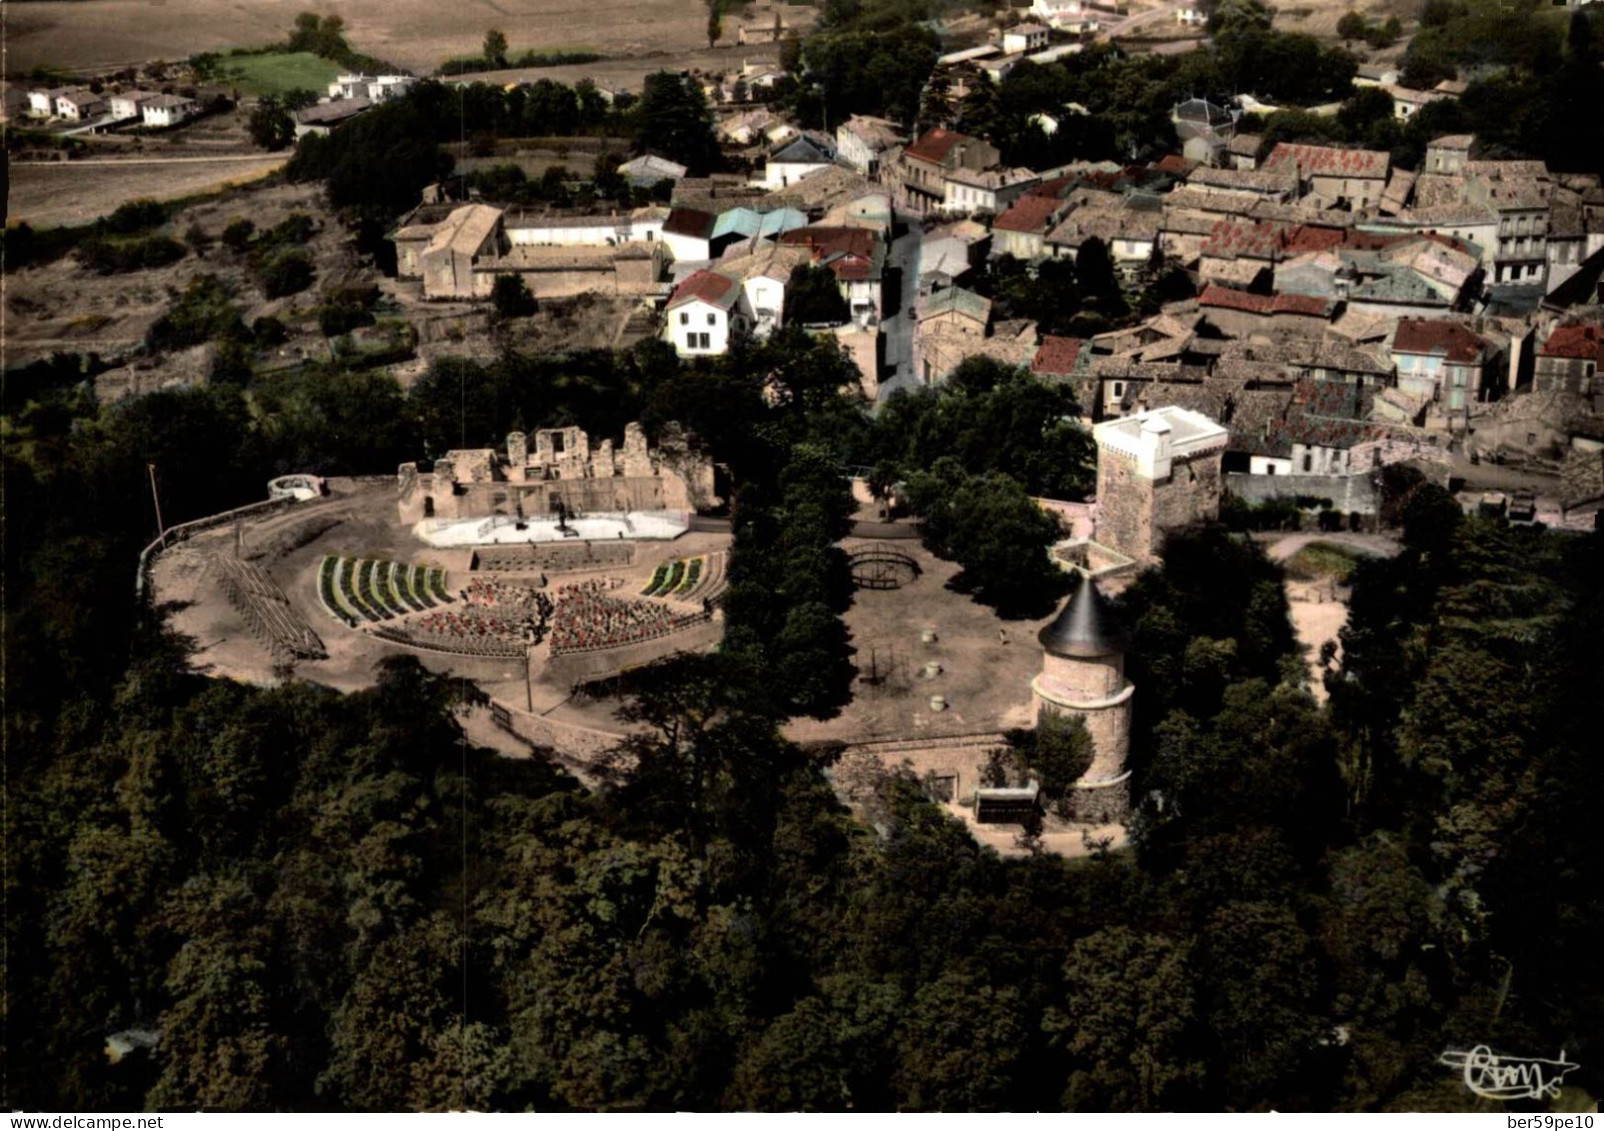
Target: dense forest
x,y
304,900
327,901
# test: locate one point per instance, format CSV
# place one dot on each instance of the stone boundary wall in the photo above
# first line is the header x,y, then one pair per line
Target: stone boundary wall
x,y
1346,492
185,530
604,663
575,745
1079,519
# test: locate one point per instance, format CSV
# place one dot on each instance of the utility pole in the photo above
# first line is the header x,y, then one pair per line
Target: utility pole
x,y
529,686
161,528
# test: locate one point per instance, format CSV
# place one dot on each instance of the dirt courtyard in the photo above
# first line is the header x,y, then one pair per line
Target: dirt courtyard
x,y
986,682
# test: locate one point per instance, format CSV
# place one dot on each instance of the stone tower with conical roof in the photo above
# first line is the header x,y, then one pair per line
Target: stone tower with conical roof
x,y
1083,674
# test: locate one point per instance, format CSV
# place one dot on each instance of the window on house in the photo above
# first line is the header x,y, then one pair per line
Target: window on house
x,y
712,320
684,319
1269,469
1119,388
1308,462
1531,437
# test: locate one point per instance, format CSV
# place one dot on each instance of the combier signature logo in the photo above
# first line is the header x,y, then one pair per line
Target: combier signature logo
x,y
1495,1077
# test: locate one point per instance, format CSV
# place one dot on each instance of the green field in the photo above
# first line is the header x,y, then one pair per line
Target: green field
x,y
277,73
1323,559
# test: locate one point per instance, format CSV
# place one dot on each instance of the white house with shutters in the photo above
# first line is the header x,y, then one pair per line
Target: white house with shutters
x,y
703,314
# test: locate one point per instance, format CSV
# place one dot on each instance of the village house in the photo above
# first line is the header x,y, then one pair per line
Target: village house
x,y
796,159
325,116
1406,102
952,251
1441,361
1241,314
643,225
650,170
1022,230
955,311
688,233
747,127
737,230
443,253
1575,235
969,192
42,103
1242,151
1448,154
862,141
1330,177
1204,129
375,88
126,106
166,110
79,104
1569,361
856,257
1076,16
918,179
764,277
1066,361
1519,194
1129,230
1024,38
1376,74
703,314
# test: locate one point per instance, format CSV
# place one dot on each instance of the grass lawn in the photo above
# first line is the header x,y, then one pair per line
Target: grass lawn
x,y
278,73
1322,559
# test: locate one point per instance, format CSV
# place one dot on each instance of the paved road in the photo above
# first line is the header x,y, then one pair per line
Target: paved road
x,y
1140,19
897,372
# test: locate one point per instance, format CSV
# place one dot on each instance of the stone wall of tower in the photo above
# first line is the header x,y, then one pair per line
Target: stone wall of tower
x,y
1108,723
1082,679
1134,513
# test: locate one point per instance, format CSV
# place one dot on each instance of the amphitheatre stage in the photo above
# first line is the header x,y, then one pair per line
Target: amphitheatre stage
x,y
507,530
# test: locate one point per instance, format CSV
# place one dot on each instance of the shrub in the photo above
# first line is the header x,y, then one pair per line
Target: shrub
x,y
197,237
339,318
231,365
511,298
136,216
201,314
268,332
287,273
113,256
295,228
237,236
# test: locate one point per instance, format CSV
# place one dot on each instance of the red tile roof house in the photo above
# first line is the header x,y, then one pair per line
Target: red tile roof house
x,y
703,313
918,179
856,257
1570,360
1242,314
1022,230
1440,360
1067,361
1329,176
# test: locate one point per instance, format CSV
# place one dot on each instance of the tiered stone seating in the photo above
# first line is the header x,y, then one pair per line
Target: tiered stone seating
x,y
586,620
268,611
376,590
